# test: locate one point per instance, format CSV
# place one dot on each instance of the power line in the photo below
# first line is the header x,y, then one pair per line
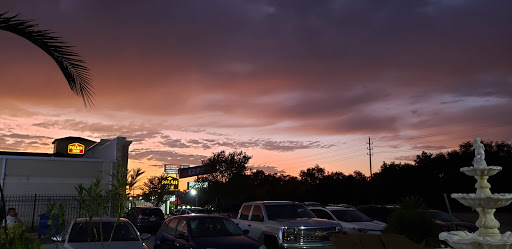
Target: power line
x,y
370,154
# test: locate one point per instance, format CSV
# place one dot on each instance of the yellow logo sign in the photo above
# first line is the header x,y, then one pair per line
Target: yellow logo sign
x,y
171,182
76,148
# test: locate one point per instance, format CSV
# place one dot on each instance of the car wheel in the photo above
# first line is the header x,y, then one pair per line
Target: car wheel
x,y
270,242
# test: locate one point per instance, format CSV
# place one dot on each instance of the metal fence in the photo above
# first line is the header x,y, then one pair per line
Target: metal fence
x,y
30,207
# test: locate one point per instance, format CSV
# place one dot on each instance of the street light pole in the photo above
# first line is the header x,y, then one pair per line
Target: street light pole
x,y
194,192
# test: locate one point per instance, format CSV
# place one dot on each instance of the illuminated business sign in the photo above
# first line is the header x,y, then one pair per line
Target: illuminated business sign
x,y
76,148
196,185
172,183
171,168
193,171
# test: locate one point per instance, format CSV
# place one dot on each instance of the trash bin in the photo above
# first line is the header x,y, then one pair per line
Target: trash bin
x,y
45,227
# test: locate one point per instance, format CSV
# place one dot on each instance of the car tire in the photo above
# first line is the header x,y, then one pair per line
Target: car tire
x,y
270,242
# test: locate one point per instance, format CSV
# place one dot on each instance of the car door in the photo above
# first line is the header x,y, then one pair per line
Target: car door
x,y
168,241
182,234
255,222
243,218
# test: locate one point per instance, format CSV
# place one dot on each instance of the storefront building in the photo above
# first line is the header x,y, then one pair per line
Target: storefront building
x,y
74,161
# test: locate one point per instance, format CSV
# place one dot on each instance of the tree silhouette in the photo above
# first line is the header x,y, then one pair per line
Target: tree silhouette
x,y
72,67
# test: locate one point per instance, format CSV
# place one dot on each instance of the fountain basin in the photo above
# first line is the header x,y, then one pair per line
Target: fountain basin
x,y
481,170
466,240
484,201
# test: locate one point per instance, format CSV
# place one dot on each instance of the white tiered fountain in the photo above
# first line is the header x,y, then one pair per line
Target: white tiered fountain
x,y
485,203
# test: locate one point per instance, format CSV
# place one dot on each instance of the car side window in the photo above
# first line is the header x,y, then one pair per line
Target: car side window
x,y
257,213
171,228
322,214
182,227
246,210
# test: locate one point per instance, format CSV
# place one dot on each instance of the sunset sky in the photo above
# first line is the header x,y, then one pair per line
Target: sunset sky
x,y
292,83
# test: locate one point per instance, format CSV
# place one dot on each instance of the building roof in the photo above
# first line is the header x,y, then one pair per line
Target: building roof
x,y
73,138
34,154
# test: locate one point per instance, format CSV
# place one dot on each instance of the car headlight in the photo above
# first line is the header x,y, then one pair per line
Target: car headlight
x,y
339,229
288,233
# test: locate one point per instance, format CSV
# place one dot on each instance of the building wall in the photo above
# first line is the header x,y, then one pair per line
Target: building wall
x,y
48,175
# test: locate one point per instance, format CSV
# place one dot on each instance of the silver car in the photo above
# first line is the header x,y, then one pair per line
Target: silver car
x,y
351,220
82,234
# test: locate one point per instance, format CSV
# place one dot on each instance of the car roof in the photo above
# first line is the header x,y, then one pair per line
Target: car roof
x,y
271,202
331,208
103,219
194,216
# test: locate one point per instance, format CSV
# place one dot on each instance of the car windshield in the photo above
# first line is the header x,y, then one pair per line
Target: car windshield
x,y
444,217
350,216
213,227
288,211
199,211
91,232
152,212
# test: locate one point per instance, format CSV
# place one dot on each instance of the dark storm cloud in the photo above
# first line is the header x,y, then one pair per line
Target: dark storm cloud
x,y
265,144
316,64
22,142
410,158
430,148
133,132
166,156
174,143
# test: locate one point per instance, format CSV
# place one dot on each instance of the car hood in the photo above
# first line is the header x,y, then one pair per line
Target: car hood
x,y
111,245
303,222
369,225
228,242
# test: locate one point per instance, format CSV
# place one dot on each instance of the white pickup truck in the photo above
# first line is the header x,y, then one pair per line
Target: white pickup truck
x,y
285,224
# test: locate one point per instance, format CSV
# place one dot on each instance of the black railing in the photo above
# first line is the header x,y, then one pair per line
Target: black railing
x,y
30,207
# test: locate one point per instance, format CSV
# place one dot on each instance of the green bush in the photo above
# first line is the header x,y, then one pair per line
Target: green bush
x,y
413,221
14,237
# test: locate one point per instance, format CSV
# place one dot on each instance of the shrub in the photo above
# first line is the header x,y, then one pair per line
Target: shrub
x,y
413,221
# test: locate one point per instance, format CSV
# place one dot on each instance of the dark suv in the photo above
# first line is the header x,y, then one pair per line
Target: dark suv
x,y
145,218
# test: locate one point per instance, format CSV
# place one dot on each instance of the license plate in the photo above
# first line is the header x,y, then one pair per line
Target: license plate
x,y
152,219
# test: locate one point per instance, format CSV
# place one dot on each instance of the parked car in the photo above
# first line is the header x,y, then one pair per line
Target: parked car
x,y
278,224
193,210
378,212
145,218
382,213
351,220
444,220
201,232
84,234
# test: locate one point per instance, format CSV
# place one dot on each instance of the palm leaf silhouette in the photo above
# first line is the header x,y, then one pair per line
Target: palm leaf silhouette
x,y
72,67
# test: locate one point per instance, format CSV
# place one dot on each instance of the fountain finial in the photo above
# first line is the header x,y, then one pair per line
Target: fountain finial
x,y
479,160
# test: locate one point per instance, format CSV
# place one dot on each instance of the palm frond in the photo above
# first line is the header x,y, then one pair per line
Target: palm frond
x,y
72,67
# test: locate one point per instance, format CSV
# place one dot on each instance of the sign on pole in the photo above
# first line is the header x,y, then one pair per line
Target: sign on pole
x,y
193,171
173,182
171,168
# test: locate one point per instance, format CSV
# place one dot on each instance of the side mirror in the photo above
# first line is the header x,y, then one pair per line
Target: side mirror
x,y
246,232
145,236
57,238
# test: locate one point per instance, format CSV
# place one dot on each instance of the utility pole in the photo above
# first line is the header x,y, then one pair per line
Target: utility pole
x,y
370,154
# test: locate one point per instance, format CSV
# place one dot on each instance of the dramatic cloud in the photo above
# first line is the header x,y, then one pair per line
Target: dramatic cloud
x,y
166,156
273,76
267,169
265,144
23,142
